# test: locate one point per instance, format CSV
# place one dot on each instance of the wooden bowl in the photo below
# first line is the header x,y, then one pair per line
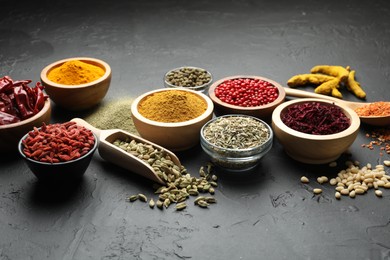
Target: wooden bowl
x,y
11,134
77,97
262,112
314,149
172,136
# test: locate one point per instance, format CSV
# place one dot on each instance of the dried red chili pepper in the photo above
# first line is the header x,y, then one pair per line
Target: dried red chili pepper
x,y
52,143
18,101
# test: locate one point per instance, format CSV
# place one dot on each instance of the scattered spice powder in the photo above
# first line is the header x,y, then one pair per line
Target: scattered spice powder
x,y
75,72
379,108
381,138
172,106
114,114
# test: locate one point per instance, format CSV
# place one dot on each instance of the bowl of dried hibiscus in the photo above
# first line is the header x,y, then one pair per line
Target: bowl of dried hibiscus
x,y
315,131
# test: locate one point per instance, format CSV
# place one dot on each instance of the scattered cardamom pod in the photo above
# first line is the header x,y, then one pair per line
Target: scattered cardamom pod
x,y
203,204
159,204
151,203
181,206
179,186
142,197
132,198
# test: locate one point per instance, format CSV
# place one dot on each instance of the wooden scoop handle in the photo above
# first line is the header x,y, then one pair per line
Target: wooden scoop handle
x,y
82,122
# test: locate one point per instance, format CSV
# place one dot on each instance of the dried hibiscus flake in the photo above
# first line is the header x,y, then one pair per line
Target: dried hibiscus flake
x,y
315,118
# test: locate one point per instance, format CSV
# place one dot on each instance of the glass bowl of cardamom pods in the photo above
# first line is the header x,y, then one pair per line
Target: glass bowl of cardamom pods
x,y
189,77
236,142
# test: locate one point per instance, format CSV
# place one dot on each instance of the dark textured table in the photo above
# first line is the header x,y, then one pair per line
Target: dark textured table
x,y
263,214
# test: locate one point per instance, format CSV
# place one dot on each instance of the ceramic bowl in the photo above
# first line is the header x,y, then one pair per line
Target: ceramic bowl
x,y
310,148
58,172
77,97
203,88
236,159
262,112
172,136
11,134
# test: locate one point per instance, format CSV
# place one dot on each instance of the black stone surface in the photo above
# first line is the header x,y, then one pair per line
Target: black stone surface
x,y
264,214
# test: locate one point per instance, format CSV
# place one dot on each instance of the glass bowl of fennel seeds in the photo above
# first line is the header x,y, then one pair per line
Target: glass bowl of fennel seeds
x,y
236,142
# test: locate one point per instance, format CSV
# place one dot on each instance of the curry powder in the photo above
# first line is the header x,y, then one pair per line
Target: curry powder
x,y
172,106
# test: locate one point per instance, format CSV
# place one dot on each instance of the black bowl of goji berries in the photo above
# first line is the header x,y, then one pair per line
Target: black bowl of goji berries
x,y
248,95
58,152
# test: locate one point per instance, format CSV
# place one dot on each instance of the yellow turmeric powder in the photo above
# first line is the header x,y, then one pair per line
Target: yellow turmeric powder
x,y
75,72
172,106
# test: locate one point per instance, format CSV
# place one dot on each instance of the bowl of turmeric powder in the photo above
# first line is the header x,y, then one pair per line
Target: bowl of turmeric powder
x,y
172,117
76,83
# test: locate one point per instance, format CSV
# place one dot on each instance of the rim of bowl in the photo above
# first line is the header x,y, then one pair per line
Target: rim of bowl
x,y
58,163
278,100
43,111
270,137
350,113
192,88
208,112
58,63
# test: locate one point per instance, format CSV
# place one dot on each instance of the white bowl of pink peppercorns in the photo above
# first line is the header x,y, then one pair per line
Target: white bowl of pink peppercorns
x,y
248,95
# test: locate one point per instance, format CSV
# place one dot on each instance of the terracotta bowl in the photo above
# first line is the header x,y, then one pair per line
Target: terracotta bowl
x,y
58,172
262,112
310,148
11,134
172,136
77,97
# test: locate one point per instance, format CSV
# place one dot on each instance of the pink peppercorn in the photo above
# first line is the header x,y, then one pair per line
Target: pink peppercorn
x,y
246,92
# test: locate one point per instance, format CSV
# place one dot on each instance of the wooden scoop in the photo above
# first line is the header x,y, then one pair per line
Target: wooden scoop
x,y
370,120
114,154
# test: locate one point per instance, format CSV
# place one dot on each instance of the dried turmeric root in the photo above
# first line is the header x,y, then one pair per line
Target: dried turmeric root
x,y
332,70
329,78
330,88
304,79
354,86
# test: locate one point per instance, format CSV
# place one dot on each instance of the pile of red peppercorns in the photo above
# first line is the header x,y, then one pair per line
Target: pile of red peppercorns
x,y
246,92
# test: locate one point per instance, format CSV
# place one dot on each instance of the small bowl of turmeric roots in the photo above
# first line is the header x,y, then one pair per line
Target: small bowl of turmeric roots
x,y
77,83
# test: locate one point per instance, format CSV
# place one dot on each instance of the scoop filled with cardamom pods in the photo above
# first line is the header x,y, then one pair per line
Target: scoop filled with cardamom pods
x,y
135,154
